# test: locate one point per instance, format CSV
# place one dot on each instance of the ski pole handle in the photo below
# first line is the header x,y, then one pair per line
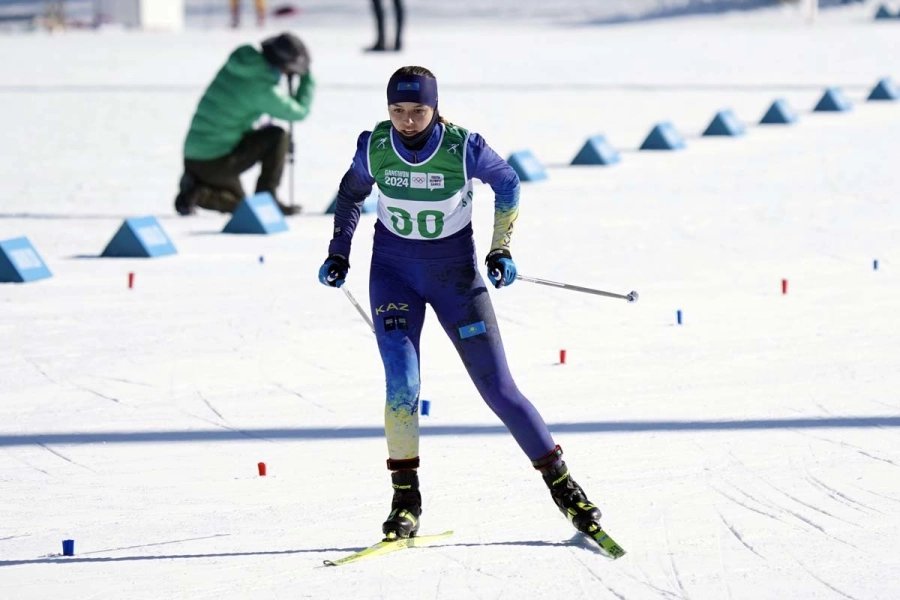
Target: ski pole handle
x,y
630,296
359,308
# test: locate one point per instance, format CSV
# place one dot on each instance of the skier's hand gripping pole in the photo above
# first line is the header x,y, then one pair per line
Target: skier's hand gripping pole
x,y
630,296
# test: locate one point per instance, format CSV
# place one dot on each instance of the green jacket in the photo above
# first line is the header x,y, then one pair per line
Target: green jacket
x,y
246,88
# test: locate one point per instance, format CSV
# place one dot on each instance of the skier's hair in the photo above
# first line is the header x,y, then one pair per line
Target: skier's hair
x,y
412,70
422,72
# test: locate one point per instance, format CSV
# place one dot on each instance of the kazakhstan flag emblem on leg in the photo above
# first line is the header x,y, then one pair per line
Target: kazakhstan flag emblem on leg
x,y
467,331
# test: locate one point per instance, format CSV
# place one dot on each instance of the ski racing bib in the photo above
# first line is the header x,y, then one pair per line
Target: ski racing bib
x,y
427,200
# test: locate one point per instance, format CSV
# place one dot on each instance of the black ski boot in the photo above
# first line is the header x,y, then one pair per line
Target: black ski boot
x,y
218,199
288,209
403,522
186,202
568,495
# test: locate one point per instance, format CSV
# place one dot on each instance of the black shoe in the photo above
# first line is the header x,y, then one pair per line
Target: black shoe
x,y
378,47
288,210
186,201
215,199
570,498
406,507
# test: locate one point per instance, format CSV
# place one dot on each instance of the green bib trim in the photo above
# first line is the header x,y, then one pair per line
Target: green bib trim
x,y
427,200
438,177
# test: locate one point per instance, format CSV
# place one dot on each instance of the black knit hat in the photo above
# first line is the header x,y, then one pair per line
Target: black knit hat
x,y
287,53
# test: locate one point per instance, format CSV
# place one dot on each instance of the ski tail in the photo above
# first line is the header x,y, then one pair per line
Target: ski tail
x,y
387,546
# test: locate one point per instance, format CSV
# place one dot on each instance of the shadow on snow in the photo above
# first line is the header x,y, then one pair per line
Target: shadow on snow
x,y
57,559
328,433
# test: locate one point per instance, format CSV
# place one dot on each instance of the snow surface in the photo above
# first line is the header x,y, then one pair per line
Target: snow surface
x,y
751,452
202,12
217,13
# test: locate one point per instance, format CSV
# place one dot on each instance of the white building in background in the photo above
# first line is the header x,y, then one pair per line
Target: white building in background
x,y
163,15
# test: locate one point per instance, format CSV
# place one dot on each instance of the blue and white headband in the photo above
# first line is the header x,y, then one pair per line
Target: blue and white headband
x,y
412,88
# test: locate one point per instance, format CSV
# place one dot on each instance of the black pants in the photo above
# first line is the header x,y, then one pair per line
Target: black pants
x,y
378,8
268,144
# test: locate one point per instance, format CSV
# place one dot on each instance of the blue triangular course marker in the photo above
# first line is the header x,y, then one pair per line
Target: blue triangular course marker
x,y
780,113
257,214
725,123
20,262
369,206
139,237
663,137
833,100
597,151
885,90
526,166
883,13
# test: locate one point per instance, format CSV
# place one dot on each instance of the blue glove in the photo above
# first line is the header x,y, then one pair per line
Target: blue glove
x,y
501,268
333,271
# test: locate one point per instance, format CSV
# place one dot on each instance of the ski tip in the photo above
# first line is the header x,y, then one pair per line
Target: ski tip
x,y
432,535
607,544
328,563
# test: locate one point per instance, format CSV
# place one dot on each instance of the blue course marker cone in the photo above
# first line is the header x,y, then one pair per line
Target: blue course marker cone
x,y
663,136
725,123
885,90
678,316
68,547
526,166
257,214
834,100
20,262
883,13
426,407
139,237
597,151
780,113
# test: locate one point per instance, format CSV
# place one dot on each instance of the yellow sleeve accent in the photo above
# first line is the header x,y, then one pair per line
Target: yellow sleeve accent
x,y
504,221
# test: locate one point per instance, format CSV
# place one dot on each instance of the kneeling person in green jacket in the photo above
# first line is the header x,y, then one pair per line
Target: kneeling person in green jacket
x,y
222,143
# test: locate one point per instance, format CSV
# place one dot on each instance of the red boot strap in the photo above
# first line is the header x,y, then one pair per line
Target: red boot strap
x,y
548,459
402,464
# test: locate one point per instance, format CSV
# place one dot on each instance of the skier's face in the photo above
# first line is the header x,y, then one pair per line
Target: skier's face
x,y
410,118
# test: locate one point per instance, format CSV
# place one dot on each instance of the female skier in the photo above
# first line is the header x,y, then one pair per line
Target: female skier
x,y
424,253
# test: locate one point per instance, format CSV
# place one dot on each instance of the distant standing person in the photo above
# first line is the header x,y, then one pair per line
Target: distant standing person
x,y
222,142
236,13
378,9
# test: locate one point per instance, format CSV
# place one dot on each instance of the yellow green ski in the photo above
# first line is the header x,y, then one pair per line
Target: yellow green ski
x,y
388,545
607,544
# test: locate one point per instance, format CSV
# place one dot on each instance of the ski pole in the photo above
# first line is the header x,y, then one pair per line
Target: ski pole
x,y
630,296
290,82
359,308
